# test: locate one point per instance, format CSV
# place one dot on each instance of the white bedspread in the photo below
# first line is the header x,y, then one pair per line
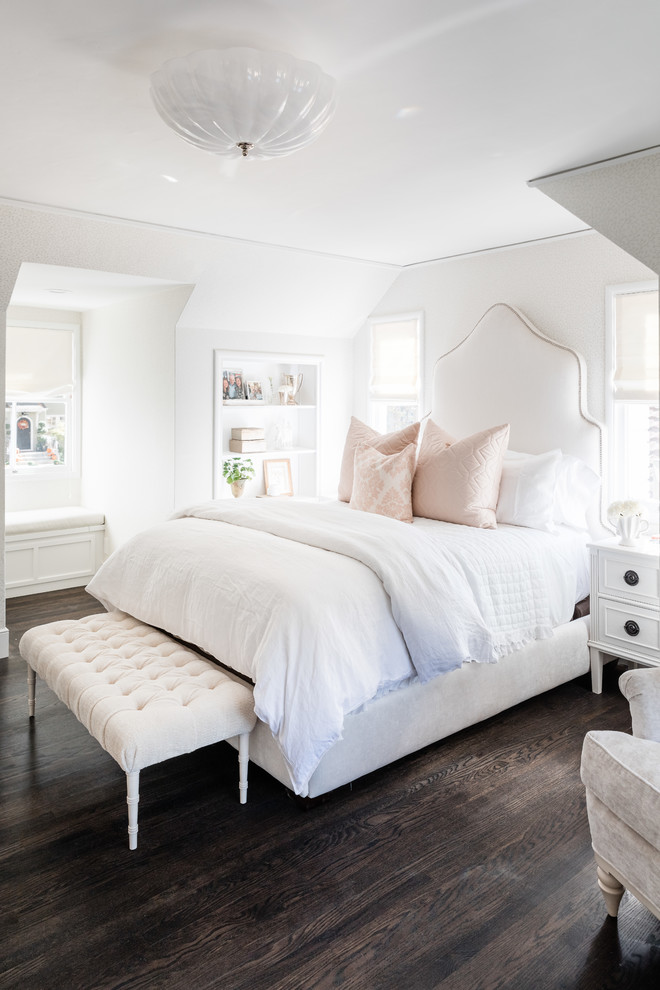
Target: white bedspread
x,y
324,607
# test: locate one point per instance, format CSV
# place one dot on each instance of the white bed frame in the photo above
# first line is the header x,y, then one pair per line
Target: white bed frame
x,y
504,371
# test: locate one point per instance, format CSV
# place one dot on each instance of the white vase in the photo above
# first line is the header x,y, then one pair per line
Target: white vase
x,y
237,487
630,530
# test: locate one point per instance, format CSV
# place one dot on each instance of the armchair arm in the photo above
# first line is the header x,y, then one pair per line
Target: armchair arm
x,y
642,689
624,774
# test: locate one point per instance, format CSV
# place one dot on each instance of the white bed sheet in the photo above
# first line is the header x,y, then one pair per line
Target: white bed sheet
x,y
325,608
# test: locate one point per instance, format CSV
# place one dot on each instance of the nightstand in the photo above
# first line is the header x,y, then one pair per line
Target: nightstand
x,y
625,606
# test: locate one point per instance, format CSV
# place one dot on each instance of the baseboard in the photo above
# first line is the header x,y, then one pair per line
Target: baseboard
x,y
4,643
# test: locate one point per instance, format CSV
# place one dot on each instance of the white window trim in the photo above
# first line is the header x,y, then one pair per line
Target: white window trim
x,y
417,315
611,292
74,438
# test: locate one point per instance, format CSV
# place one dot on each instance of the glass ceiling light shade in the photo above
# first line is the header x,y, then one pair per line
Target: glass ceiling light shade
x,y
241,101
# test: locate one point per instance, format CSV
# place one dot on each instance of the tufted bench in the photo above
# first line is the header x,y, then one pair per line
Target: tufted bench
x,y
144,697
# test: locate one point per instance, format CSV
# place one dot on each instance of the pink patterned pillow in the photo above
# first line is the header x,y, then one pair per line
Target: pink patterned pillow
x,y
459,482
387,443
382,482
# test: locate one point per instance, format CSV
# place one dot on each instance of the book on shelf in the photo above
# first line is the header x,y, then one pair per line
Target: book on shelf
x,y
247,446
248,433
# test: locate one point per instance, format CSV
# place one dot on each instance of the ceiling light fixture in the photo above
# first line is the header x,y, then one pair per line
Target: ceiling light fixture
x,y
241,101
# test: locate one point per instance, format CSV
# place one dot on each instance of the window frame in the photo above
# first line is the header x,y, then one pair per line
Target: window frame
x,y
373,403
72,463
614,466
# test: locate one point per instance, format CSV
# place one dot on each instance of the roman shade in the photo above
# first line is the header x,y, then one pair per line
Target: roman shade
x,y
395,359
636,345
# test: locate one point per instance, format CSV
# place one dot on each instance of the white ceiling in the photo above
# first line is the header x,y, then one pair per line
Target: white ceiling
x,y
445,109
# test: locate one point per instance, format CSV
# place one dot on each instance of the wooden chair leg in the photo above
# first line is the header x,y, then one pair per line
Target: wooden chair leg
x,y
32,681
132,800
611,890
243,760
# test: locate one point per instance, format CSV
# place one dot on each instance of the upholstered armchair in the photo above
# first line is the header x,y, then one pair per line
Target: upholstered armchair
x,y
622,776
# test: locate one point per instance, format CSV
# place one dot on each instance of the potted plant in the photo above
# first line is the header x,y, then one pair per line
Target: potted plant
x,y
236,471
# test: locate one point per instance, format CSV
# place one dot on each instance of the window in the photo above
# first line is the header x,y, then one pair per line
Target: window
x,y
395,389
41,407
633,403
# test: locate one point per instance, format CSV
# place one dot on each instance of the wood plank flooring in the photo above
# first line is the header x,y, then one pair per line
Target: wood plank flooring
x,y
464,867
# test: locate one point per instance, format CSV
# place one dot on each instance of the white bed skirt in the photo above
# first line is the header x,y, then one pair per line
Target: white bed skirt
x,y
407,720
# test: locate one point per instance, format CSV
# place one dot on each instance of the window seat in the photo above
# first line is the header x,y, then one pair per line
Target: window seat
x,y
48,549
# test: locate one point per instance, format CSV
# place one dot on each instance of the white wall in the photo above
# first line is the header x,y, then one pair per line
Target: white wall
x,y
194,400
128,383
558,284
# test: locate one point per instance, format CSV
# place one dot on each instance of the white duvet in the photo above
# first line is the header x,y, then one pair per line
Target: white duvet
x,y
324,608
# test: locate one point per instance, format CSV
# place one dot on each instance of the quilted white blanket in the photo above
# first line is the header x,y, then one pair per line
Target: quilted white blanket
x,y
325,608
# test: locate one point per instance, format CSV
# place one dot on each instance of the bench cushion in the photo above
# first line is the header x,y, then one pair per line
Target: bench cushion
x,y
141,694
44,520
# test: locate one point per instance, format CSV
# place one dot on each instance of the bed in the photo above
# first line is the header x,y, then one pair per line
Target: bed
x,y
367,638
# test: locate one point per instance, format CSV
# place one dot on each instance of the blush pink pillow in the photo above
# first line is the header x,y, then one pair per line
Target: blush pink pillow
x,y
459,482
386,443
382,482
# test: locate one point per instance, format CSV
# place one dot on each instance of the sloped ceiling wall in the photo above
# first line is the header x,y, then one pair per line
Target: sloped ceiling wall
x,y
238,285
619,198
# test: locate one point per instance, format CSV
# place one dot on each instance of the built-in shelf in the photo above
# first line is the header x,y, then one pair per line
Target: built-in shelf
x,y
296,425
242,403
270,452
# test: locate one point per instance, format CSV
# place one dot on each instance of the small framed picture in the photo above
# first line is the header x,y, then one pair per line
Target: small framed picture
x,y
232,385
254,391
277,477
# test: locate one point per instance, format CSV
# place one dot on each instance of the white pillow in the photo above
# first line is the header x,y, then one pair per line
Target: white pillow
x,y
527,489
577,489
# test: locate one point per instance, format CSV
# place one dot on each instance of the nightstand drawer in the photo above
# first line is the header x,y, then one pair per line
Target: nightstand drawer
x,y
635,579
624,626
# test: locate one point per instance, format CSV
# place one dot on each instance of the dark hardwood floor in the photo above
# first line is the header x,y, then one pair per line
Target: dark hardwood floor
x,y
464,867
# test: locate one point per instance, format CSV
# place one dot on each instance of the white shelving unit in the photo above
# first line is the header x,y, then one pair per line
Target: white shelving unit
x,y
297,425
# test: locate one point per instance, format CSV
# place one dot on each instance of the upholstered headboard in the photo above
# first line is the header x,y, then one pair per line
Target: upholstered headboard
x,y
507,371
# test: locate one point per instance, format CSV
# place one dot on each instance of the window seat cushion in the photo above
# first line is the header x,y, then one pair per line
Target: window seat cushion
x,y
43,520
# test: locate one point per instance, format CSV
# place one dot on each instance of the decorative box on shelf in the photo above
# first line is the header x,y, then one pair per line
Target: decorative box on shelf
x,y
247,446
625,606
248,433
246,439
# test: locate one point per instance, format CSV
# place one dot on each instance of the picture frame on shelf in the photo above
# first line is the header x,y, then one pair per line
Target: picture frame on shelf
x,y
277,477
233,388
254,391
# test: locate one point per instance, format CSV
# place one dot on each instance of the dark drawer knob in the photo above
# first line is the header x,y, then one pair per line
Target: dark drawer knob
x,y
631,578
631,627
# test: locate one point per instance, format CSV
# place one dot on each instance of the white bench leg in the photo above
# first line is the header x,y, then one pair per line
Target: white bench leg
x,y
132,799
243,760
32,681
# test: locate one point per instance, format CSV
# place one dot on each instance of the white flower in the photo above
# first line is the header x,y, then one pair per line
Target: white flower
x,y
629,507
